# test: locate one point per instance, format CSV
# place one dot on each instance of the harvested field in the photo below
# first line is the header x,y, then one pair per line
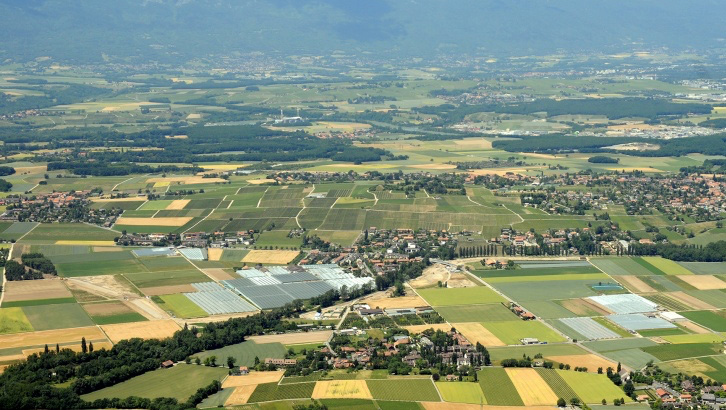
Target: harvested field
x,y
584,307
214,254
240,395
703,282
382,301
188,180
461,392
35,290
177,204
254,378
270,257
165,290
158,329
106,309
218,274
51,337
107,286
168,221
295,338
475,332
533,390
463,406
694,327
591,361
341,389
444,327
691,301
635,284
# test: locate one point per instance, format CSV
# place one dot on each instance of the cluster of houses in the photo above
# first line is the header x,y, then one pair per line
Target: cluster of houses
x,y
188,239
74,206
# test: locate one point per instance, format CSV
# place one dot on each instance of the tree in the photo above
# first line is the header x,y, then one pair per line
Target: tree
x,y
84,348
575,402
213,360
231,361
90,347
561,402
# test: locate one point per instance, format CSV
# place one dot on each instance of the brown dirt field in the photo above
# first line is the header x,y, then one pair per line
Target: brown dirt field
x,y
591,361
459,280
442,405
218,274
214,254
167,221
107,249
504,171
35,289
20,249
273,257
475,332
703,282
342,389
166,290
634,283
75,347
480,143
186,180
158,329
127,199
50,337
691,301
240,395
12,357
430,277
260,181
106,309
294,338
583,307
381,300
444,327
31,170
694,327
254,378
103,285
177,204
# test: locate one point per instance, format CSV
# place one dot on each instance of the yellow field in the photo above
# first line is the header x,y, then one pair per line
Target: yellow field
x,y
591,361
260,181
254,378
442,405
158,329
87,243
186,180
294,338
177,204
531,387
177,137
167,221
162,184
50,337
342,389
703,282
444,327
475,332
274,257
240,395
214,253
667,266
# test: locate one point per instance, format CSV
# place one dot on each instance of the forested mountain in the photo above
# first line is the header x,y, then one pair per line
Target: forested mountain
x,y
177,30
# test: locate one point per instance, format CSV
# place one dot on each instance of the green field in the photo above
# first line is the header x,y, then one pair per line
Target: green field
x,y
512,331
273,391
694,338
166,278
498,388
682,351
705,268
591,387
69,232
543,291
620,266
39,302
516,352
13,320
181,306
404,390
558,385
246,352
179,382
460,296
48,317
592,277
461,392
476,313
714,320
119,318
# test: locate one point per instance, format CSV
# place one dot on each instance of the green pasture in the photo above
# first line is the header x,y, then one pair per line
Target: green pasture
x,y
460,296
49,317
403,390
498,388
461,392
476,313
246,352
180,306
510,332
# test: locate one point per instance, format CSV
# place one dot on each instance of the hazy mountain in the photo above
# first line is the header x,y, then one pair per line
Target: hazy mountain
x,y
84,30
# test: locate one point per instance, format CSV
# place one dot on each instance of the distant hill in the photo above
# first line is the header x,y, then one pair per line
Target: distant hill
x,y
177,30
